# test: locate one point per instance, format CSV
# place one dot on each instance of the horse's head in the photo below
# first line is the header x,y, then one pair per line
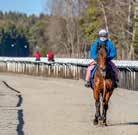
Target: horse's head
x,y
102,57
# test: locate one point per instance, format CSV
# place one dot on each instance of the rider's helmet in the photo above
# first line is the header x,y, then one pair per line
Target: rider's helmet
x,y
103,34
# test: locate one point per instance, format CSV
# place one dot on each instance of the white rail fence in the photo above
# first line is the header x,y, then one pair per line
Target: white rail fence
x,y
67,68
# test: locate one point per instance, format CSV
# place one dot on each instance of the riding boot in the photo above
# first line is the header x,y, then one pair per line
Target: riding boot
x,y
116,73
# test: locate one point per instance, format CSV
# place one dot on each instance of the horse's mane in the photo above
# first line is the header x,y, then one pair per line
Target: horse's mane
x,y
103,63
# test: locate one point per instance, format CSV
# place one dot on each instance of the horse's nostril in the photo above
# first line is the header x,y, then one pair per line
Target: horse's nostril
x,y
102,68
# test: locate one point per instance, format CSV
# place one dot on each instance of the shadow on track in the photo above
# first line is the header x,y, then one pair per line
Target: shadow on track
x,y
124,124
20,111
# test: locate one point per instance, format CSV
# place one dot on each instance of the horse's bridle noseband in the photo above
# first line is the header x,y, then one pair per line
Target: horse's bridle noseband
x,y
103,72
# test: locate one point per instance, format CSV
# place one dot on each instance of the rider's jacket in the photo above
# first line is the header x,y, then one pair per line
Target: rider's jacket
x,y
110,46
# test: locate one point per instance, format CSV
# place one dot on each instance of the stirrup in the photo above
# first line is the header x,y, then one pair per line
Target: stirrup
x,y
87,84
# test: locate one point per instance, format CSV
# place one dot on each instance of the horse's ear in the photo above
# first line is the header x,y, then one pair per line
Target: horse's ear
x,y
106,48
104,45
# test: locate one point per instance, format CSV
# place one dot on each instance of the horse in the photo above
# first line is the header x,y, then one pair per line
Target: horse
x,y
104,82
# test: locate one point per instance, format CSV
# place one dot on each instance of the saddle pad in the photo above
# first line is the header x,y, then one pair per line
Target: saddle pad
x,y
92,76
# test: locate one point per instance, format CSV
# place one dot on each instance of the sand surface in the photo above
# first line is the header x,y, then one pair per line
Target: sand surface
x,y
65,107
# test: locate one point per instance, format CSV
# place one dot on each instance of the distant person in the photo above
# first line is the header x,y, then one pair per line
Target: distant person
x,y
50,56
37,56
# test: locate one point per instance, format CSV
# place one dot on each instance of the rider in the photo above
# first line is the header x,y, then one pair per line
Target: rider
x,y
111,54
50,56
37,56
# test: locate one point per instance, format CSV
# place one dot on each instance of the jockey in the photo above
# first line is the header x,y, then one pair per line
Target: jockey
x,y
111,54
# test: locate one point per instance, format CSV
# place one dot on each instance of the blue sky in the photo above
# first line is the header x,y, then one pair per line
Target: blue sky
x,y
25,6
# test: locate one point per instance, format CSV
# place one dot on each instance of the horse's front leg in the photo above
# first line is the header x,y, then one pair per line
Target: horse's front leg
x,y
97,106
105,107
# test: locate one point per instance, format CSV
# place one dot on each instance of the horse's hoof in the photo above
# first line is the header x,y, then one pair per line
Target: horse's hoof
x,y
104,124
100,122
95,122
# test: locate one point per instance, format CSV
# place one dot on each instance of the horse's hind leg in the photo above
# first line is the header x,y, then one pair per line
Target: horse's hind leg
x,y
97,105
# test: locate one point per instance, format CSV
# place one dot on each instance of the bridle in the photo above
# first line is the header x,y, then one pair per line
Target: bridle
x,y
102,71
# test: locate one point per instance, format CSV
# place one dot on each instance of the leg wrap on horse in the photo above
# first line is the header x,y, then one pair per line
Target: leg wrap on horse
x,y
97,104
105,107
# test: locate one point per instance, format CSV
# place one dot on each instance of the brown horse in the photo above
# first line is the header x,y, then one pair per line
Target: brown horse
x,y
103,85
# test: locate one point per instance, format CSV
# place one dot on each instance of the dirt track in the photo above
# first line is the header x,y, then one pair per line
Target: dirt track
x,y
66,107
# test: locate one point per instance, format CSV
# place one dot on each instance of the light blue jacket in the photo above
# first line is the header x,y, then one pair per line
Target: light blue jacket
x,y
111,50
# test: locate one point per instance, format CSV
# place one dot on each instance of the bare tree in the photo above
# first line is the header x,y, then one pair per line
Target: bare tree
x,y
119,14
104,14
66,33
69,11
